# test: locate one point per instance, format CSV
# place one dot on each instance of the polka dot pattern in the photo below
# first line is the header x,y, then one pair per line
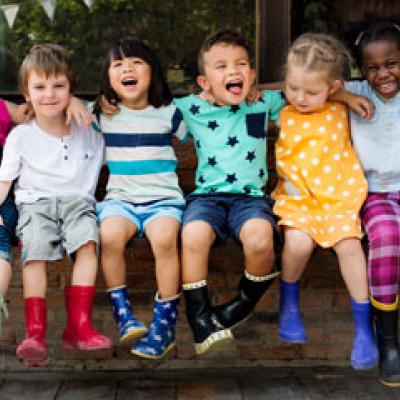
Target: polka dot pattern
x,y
315,157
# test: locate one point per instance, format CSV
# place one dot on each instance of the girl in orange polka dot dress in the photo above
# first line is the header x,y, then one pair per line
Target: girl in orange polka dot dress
x,y
321,187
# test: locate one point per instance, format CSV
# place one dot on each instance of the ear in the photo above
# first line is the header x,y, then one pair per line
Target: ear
x,y
253,75
202,81
335,86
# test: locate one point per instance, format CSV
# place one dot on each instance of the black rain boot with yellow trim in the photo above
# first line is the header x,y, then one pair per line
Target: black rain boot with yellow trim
x,y
386,320
206,332
250,290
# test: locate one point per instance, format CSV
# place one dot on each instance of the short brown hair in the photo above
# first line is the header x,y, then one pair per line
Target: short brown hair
x,y
49,59
226,36
320,52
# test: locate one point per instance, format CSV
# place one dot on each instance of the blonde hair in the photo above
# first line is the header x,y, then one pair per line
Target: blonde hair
x,y
320,52
48,59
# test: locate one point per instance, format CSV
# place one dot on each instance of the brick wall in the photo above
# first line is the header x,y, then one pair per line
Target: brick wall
x,y
324,302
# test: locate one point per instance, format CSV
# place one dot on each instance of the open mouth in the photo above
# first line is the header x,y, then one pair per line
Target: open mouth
x,y
234,88
129,82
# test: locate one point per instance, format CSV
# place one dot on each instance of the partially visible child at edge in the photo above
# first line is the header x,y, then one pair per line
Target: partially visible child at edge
x,y
55,200
377,144
143,195
321,187
9,113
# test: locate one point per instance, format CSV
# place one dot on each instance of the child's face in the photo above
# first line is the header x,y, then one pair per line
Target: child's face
x,y
381,67
227,74
307,90
130,78
49,96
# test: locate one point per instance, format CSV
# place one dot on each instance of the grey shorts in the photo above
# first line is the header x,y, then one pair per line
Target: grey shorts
x,y
50,227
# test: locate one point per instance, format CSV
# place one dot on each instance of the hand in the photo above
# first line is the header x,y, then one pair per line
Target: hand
x,y
207,96
23,113
362,106
253,95
1,221
108,108
77,110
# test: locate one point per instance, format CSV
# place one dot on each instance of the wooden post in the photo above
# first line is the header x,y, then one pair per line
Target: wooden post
x,y
273,28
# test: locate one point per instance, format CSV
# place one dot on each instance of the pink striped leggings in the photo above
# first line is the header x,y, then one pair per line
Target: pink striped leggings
x,y
381,218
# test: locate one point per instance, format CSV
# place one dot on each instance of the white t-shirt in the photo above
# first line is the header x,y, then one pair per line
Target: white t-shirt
x,y
48,166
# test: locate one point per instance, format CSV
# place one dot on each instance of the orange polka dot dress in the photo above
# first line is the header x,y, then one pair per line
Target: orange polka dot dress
x,y
321,186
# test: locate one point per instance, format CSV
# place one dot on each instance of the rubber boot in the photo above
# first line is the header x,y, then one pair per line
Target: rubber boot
x,y
364,354
161,336
33,349
291,327
129,327
79,332
250,290
206,331
386,324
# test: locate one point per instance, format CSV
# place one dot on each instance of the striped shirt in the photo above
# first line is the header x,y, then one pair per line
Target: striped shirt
x,y
139,153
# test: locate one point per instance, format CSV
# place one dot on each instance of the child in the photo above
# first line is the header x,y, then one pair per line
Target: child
x,y
320,188
231,146
143,195
9,113
55,198
377,145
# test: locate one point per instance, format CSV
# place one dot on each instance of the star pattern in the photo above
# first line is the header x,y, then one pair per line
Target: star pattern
x,y
231,178
213,125
212,161
198,144
261,174
201,179
232,141
194,109
246,190
234,108
251,155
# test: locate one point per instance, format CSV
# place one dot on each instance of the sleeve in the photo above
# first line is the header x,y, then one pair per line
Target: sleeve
x,y
5,121
179,128
12,157
355,87
274,101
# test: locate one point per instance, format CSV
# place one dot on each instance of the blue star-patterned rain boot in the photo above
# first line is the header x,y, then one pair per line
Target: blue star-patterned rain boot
x,y
161,336
130,328
364,354
291,327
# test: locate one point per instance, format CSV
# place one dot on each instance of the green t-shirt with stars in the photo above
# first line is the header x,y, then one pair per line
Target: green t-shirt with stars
x,y
230,143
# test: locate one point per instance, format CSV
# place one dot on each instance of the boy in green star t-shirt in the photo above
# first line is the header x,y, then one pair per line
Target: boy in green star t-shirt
x,y
229,199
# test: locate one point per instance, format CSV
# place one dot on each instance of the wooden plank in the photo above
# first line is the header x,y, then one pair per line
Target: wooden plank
x,y
28,390
220,389
90,389
147,390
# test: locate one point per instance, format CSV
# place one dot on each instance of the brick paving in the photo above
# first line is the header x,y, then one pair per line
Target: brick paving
x,y
227,384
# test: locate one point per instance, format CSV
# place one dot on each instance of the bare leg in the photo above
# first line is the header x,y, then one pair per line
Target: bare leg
x,y
257,238
5,275
353,267
85,266
197,238
163,236
115,232
34,279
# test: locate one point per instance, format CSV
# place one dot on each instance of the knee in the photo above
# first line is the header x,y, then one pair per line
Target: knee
x,y
258,240
111,239
384,234
88,247
196,238
165,243
298,247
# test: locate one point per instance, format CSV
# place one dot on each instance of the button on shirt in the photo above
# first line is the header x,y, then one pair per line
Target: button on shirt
x,y
377,141
48,166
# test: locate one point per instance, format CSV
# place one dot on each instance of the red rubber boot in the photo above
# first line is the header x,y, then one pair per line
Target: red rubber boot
x,y
79,332
33,349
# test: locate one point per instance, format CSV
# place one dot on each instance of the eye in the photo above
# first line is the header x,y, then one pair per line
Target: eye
x,y
372,68
312,93
392,64
116,64
220,66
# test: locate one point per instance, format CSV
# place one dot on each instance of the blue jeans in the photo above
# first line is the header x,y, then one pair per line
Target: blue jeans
x,y
9,214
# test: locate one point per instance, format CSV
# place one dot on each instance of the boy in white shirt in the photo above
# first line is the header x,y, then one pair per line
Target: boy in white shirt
x,y
56,167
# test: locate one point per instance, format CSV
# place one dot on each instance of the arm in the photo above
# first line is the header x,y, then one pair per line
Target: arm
x,y
362,106
19,113
4,189
78,111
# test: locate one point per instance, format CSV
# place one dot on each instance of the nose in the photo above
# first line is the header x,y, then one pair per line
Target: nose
x,y
128,65
300,96
49,91
383,72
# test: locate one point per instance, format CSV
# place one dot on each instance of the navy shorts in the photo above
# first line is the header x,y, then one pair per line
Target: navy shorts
x,y
227,213
9,214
